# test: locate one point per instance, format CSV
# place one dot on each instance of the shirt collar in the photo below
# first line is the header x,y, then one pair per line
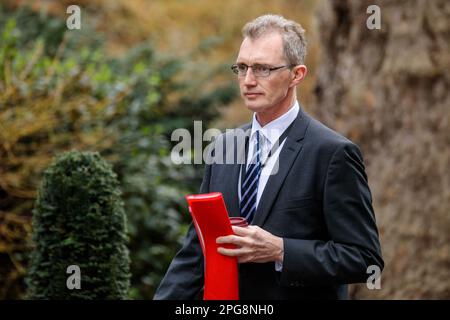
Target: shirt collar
x,y
275,128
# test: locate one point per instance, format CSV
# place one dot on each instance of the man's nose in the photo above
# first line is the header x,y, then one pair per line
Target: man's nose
x,y
249,78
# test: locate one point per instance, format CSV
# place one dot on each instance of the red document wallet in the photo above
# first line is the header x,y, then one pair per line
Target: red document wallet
x,y
211,220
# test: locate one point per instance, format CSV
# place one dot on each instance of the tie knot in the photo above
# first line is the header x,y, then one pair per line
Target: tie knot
x,y
256,154
260,139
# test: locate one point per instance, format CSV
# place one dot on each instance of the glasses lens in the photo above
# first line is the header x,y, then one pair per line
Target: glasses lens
x,y
242,69
261,70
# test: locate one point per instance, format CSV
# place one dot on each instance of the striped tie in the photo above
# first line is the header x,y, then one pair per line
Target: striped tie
x,y
249,188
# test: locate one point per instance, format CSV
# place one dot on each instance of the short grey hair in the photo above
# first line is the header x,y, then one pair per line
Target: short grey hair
x,y
294,41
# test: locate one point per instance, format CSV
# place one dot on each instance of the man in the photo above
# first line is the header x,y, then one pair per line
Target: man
x,y
312,227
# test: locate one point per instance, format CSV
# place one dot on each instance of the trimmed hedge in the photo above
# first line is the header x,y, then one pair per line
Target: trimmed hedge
x,y
79,220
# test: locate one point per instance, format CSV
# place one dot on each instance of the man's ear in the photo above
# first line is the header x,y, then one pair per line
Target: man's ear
x,y
299,73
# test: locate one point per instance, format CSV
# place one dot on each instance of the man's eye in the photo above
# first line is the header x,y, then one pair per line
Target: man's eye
x,y
242,67
260,68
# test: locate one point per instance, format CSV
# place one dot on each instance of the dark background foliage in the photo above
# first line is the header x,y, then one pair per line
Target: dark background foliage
x,y
60,92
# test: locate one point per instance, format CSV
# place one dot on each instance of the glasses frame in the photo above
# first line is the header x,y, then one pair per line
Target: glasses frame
x,y
235,70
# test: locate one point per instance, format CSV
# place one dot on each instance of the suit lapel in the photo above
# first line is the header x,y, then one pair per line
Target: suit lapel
x,y
232,171
231,193
289,152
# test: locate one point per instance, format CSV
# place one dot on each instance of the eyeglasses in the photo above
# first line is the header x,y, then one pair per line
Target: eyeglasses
x,y
259,70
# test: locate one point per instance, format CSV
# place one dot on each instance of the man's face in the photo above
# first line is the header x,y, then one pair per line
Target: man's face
x,y
262,94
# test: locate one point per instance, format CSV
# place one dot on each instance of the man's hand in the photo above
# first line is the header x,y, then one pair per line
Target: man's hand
x,y
253,245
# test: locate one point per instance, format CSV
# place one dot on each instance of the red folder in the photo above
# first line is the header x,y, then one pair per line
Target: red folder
x,y
211,220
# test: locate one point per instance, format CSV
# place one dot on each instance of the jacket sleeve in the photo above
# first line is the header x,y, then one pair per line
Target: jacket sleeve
x,y
353,243
184,278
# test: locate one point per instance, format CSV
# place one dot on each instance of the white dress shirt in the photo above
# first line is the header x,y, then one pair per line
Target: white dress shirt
x,y
269,134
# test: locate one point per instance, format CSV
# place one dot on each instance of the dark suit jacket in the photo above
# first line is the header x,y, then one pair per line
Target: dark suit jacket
x,y
319,202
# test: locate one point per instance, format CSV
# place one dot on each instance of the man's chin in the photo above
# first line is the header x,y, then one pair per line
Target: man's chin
x,y
254,107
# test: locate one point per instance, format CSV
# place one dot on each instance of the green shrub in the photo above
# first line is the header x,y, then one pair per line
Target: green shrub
x,y
79,220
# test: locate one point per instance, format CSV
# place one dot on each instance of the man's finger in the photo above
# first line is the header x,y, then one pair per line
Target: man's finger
x,y
227,239
242,231
232,239
231,252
